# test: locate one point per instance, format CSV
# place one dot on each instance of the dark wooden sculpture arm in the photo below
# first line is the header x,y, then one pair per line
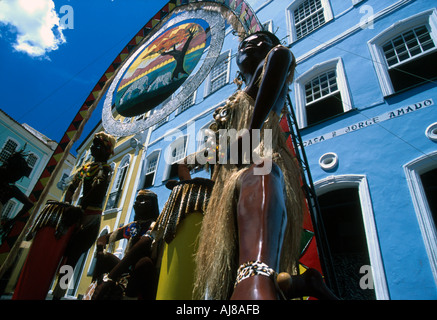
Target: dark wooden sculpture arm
x,y
71,189
141,249
103,240
276,72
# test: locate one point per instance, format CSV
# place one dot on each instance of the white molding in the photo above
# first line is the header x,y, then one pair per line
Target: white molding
x,y
350,31
336,182
168,158
291,26
126,158
431,132
146,161
299,87
328,161
224,56
413,170
119,208
428,17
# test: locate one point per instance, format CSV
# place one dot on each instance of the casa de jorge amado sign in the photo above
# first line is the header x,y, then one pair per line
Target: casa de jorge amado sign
x,y
370,122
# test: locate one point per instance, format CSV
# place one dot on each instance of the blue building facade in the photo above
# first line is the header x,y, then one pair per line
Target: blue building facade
x,y
15,137
364,100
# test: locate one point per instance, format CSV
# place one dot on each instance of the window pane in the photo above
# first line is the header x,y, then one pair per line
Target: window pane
x,y
149,180
218,82
8,149
321,86
407,45
324,108
187,103
308,16
31,160
178,152
219,74
414,72
151,164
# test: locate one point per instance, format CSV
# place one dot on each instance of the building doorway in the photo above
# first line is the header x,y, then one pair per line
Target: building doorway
x,y
346,237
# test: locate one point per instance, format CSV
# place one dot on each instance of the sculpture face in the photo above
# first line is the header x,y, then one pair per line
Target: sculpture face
x,y
16,168
144,207
252,50
99,150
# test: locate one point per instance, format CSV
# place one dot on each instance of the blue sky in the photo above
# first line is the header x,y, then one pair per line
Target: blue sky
x,y
53,52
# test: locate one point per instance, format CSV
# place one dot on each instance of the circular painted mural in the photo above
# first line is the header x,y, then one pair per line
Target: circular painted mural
x,y
174,60
161,68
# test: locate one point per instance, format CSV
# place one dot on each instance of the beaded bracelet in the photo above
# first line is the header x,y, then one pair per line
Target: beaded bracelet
x,y
253,268
107,279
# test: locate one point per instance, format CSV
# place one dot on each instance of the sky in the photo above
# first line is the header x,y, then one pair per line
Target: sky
x,y
53,52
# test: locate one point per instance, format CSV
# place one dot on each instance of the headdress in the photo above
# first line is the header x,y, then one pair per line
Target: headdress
x,y
273,38
17,162
148,193
107,139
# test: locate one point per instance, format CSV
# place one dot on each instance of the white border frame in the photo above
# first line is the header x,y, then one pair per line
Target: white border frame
x,y
343,181
291,26
299,87
12,139
168,159
146,162
428,17
226,56
413,170
119,207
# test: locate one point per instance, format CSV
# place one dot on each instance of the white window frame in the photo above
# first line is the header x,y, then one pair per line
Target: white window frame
x,y
11,206
347,181
36,161
299,87
63,182
169,160
428,17
124,163
153,154
13,140
413,170
143,116
225,56
327,12
268,26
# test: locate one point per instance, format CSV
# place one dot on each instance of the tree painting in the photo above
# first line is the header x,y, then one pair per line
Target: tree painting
x,y
161,68
179,55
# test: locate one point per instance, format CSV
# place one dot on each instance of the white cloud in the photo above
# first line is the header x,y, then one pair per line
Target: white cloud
x,y
36,23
